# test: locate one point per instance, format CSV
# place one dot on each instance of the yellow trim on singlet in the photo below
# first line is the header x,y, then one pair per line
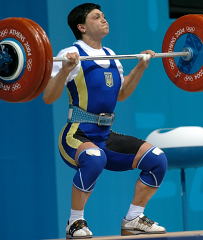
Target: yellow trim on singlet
x,y
82,89
71,142
70,97
83,100
62,150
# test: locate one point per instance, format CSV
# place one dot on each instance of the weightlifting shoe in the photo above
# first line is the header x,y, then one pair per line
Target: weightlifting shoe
x,y
78,229
140,225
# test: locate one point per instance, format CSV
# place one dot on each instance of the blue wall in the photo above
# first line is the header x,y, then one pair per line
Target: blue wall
x,y
27,173
36,184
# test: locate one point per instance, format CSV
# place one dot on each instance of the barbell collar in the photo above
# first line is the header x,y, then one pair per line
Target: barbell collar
x,y
185,53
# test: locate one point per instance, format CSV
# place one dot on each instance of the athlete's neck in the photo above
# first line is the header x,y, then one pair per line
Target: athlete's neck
x,y
93,43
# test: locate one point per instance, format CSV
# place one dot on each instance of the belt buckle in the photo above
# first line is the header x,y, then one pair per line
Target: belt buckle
x,y
105,119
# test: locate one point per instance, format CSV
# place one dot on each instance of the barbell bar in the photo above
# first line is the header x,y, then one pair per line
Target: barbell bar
x,y
26,57
187,54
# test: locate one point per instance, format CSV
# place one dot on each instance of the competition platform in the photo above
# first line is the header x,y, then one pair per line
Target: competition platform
x,y
185,235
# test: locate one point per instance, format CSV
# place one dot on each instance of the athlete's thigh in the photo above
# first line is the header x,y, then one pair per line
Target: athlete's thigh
x,y
70,140
120,151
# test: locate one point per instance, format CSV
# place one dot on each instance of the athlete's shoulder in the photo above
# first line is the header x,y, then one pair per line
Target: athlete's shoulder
x,y
70,49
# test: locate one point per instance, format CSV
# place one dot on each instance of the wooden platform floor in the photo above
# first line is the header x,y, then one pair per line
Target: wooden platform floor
x,y
187,235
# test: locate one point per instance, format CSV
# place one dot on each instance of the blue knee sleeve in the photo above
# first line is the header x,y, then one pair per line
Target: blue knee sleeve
x,y
91,163
153,165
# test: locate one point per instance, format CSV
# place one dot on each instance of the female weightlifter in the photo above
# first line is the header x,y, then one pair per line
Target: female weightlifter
x,y
87,143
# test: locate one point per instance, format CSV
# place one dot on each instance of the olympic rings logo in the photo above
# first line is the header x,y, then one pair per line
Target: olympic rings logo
x,y
3,33
188,78
29,64
15,87
171,63
190,29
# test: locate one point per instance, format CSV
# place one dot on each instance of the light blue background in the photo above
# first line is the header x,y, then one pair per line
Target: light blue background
x,y
36,184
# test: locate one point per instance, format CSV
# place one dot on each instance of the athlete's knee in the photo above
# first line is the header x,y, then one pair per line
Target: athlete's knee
x,y
153,165
91,163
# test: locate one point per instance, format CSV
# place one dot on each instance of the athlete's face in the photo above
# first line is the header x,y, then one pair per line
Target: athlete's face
x,y
96,25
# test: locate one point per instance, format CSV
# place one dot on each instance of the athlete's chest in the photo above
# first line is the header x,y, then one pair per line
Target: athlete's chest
x,y
96,76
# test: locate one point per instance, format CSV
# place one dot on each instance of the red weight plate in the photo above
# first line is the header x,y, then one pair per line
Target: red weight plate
x,y
48,58
191,23
30,40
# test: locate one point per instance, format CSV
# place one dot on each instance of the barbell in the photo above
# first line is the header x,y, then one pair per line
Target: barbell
x,y
26,57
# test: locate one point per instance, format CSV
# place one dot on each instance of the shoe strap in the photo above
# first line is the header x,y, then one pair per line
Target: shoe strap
x,y
146,220
77,225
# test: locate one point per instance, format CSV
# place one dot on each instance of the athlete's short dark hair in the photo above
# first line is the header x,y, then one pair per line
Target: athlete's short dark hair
x,y
78,16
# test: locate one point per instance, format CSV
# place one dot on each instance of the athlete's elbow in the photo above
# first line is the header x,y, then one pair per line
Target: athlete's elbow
x,y
121,96
50,96
120,99
49,99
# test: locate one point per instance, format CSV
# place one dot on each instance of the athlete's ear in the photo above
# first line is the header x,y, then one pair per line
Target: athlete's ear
x,y
81,28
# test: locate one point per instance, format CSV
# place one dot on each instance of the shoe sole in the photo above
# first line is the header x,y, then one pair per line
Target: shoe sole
x,y
126,232
78,237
